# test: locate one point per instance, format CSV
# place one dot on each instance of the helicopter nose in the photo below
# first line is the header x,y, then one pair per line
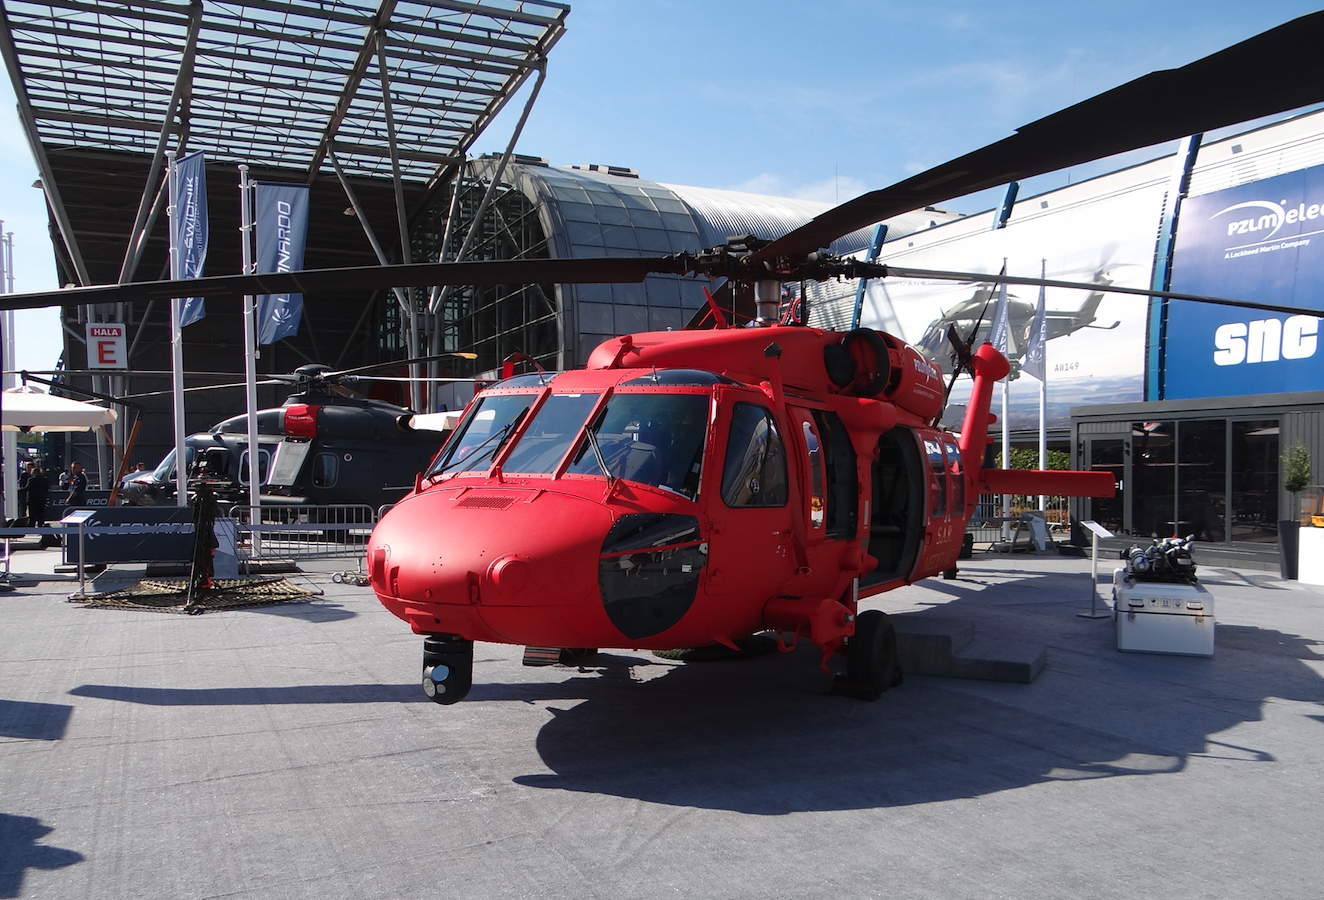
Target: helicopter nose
x,y
491,564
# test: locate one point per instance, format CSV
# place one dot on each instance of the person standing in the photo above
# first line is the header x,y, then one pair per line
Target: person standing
x,y
24,476
39,488
77,486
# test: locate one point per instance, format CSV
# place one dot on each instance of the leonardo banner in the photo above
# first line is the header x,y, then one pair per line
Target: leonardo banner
x,y
1261,241
282,227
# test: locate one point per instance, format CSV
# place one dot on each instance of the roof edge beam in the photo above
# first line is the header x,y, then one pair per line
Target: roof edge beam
x,y
30,132
445,173
351,88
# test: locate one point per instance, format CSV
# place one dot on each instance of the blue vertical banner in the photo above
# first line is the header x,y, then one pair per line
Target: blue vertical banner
x,y
190,224
282,228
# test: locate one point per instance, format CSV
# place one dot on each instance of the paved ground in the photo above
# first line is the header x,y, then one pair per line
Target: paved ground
x,y
288,752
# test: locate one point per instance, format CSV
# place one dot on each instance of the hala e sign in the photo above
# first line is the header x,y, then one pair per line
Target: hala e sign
x,y
106,346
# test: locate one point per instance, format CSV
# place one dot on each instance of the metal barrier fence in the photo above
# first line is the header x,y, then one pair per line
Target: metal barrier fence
x,y
291,533
986,524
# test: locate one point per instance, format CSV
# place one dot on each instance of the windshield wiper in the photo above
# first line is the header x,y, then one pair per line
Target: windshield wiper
x,y
500,432
602,460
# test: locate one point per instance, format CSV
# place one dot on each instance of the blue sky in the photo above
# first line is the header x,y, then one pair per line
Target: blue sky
x,y
823,100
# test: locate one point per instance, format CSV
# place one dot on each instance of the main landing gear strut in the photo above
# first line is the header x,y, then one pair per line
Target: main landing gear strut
x,y
871,658
448,668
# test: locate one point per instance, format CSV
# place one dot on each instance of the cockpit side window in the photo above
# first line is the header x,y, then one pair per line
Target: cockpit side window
x,y
754,473
482,435
649,438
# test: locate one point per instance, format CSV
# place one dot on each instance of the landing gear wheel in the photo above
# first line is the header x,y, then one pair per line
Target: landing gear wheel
x,y
871,658
949,574
448,668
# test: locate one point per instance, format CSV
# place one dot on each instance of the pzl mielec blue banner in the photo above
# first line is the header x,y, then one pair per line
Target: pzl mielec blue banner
x,y
1261,241
190,224
282,227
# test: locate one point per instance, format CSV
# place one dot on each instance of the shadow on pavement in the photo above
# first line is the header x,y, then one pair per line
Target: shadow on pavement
x,y
760,737
256,696
33,721
19,851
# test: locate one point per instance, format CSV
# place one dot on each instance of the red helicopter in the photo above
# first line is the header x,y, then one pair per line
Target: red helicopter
x,y
694,488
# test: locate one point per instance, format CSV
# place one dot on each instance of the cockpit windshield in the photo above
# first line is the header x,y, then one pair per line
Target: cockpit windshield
x,y
477,441
651,438
550,434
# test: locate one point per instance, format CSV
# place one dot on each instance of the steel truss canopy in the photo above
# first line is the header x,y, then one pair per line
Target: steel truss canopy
x,y
279,83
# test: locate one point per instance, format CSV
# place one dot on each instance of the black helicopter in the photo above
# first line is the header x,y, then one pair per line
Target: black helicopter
x,y
324,446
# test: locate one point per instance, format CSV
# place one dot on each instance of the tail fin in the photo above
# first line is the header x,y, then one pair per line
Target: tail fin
x,y
988,367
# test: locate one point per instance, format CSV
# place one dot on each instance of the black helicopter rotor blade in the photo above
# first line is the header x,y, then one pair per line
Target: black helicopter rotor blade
x,y
1165,105
593,270
1221,89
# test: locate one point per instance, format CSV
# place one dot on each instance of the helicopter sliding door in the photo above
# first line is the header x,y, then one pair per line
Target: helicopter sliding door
x,y
896,526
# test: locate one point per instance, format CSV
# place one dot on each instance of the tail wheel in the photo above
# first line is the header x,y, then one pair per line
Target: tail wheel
x,y
871,655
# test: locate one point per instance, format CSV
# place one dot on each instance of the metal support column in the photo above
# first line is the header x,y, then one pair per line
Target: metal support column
x,y
1161,278
476,225
384,77
183,83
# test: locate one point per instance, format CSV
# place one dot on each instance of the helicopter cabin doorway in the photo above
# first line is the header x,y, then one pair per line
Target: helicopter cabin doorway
x,y
896,525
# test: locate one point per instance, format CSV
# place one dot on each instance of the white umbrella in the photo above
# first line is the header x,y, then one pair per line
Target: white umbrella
x,y
26,409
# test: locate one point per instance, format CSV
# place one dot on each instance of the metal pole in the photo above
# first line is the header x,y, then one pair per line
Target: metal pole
x,y
250,362
10,442
1043,411
176,343
1006,460
434,347
383,75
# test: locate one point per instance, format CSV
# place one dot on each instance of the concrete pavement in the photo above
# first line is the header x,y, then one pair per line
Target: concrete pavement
x,y
288,751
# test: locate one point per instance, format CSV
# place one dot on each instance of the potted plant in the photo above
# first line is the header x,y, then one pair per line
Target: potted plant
x,y
1296,475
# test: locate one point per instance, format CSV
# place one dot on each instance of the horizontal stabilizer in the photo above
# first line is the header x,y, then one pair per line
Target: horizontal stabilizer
x,y
1053,483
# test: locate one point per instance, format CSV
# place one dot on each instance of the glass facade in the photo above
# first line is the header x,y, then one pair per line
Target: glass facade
x,y
1215,478
1254,481
490,320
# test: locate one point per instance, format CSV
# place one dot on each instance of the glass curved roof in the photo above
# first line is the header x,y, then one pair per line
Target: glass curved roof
x,y
597,211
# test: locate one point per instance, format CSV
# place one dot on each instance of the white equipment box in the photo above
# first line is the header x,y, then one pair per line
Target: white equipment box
x,y
1158,617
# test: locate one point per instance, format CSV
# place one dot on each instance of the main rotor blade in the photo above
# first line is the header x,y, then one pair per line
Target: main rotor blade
x,y
594,270
1279,70
888,271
